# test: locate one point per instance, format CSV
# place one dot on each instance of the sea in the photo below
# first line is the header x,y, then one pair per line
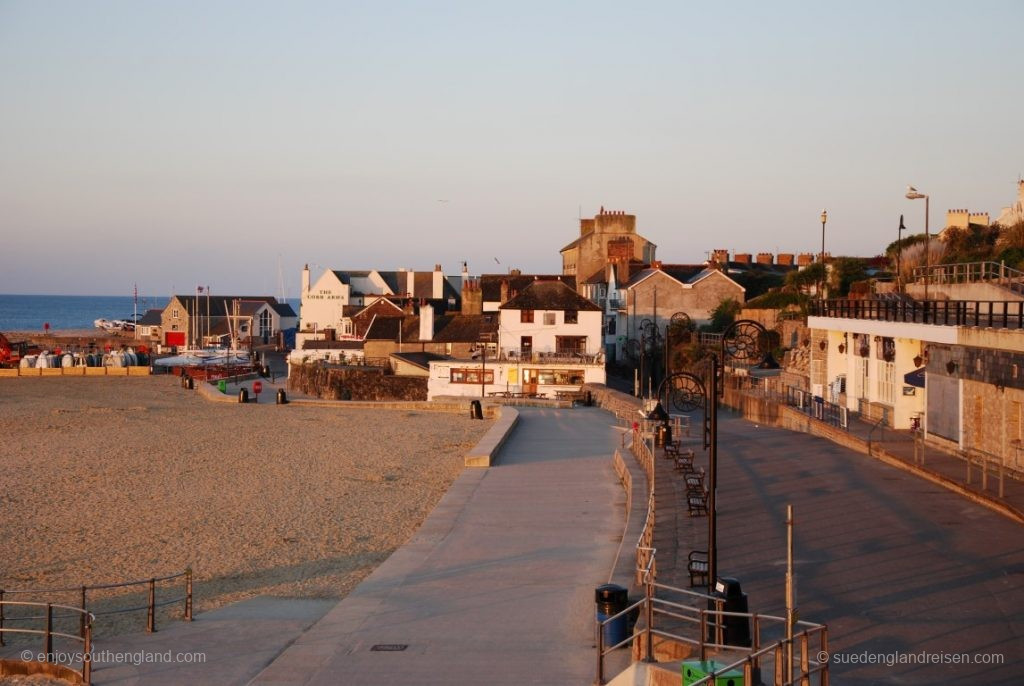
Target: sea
x,y
34,312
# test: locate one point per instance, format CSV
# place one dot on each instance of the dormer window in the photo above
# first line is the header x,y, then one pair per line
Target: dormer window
x,y
571,316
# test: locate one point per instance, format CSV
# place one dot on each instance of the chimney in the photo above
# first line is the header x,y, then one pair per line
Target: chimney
x,y
622,271
655,264
765,258
504,292
305,279
720,256
438,289
407,308
426,322
784,259
410,282
472,298
804,259
742,257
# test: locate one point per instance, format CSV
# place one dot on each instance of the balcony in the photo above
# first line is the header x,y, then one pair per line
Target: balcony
x,y
557,357
1000,314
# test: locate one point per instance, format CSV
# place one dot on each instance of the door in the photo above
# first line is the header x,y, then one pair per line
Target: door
x,y
943,395
526,347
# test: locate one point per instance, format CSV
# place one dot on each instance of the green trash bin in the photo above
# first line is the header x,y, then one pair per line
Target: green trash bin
x,y
222,386
695,670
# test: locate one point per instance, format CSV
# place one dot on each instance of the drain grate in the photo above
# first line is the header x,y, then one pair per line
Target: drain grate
x,y
389,647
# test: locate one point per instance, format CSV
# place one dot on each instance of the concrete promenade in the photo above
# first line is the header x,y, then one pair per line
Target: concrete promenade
x,y
497,586
897,567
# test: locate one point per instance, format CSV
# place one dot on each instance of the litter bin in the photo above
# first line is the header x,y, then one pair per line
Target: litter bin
x,y
660,435
189,383
475,410
735,630
222,386
695,670
282,398
611,599
243,395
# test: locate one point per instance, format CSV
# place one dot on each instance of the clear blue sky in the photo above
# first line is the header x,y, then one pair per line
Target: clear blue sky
x,y
178,143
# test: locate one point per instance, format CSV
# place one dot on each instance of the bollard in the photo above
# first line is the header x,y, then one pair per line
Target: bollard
x,y
151,610
282,397
188,594
475,410
243,395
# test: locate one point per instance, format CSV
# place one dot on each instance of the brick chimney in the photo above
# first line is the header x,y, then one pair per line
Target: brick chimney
x,y
784,259
741,258
438,284
504,292
472,297
804,259
765,258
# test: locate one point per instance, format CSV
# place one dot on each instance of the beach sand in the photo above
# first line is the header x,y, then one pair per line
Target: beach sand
x,y
104,480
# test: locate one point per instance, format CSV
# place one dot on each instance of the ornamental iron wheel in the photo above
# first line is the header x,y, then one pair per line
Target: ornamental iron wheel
x,y
745,340
685,392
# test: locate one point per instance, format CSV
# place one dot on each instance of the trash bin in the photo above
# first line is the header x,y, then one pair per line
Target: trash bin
x,y
222,386
189,383
282,398
243,395
735,630
612,599
475,410
695,670
660,435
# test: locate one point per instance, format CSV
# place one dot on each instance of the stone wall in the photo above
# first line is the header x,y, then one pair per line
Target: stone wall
x,y
354,383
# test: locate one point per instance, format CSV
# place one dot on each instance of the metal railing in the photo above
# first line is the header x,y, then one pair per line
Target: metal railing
x,y
83,591
970,272
818,408
1004,314
792,660
48,633
557,356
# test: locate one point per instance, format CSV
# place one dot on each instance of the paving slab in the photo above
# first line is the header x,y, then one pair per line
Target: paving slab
x,y
226,646
497,586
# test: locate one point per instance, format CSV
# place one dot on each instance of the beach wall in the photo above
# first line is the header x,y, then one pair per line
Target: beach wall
x,y
357,383
34,372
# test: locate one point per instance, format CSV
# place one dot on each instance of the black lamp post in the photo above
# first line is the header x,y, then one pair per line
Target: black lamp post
x,y
899,255
745,341
824,218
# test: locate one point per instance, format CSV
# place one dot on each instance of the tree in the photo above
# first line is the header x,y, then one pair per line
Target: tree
x,y
724,315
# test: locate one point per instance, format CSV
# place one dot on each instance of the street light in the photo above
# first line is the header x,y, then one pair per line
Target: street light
x,y
913,194
745,341
899,254
824,218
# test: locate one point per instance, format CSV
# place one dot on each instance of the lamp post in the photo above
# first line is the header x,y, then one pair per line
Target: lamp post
x,y
913,194
745,340
899,255
824,218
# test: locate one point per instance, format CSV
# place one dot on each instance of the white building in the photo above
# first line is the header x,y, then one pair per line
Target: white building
x,y
549,341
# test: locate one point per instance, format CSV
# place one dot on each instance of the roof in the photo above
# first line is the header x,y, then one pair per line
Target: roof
x,y
490,284
283,309
421,360
332,345
465,328
688,274
549,295
345,275
151,318
572,245
221,305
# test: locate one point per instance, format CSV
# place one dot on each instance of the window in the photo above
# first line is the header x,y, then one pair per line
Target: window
x,y
174,313
555,377
571,316
471,376
886,382
549,319
526,316
570,345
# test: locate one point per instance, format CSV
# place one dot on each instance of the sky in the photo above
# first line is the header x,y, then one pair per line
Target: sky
x,y
172,144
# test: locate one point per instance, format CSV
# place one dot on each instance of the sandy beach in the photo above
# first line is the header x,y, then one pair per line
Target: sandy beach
x,y
105,480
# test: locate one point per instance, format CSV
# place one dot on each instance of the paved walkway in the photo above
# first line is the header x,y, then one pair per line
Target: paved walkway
x,y
497,586
893,564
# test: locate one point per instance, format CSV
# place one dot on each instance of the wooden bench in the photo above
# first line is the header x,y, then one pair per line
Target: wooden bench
x,y
698,568
684,462
695,483
698,504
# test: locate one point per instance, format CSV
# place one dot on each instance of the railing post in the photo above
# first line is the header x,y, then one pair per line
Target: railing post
x,y
48,636
824,650
87,652
600,652
2,617
805,661
151,610
780,672
188,594
81,620
649,652
703,634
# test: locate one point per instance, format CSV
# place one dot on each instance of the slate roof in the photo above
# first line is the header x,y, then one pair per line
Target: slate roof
x,y
332,345
421,360
151,318
283,309
221,305
549,295
465,328
490,284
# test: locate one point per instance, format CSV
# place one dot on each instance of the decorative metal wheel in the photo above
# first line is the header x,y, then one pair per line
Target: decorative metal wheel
x,y
745,340
685,392
679,319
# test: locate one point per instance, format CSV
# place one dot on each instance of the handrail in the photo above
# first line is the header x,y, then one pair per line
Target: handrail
x,y
968,272
48,633
876,425
1004,314
84,590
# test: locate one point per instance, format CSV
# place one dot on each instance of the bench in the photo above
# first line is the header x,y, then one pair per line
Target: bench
x,y
695,483
697,566
684,462
698,504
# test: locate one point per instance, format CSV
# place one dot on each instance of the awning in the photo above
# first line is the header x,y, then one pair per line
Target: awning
x,y
915,378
